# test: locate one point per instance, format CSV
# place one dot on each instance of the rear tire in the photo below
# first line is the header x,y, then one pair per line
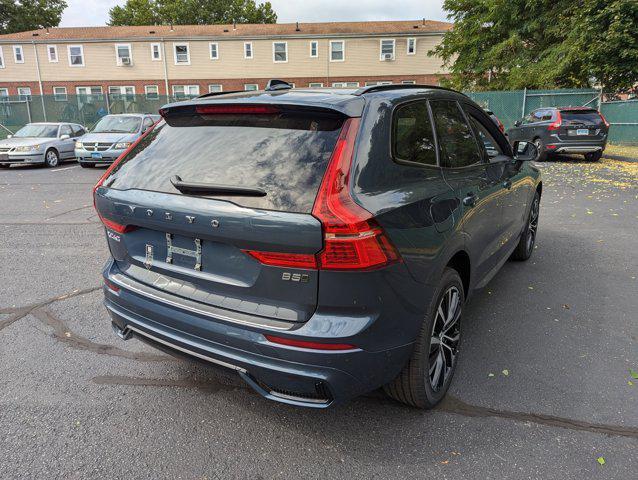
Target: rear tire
x,y
542,153
593,156
426,376
525,246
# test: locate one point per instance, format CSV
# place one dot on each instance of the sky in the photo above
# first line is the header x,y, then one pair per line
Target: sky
x,y
81,13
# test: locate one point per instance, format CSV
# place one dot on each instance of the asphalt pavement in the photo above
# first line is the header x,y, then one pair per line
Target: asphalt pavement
x,y
543,389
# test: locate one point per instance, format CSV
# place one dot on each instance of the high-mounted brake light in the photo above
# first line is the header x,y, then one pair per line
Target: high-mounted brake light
x,y
236,110
555,125
309,345
604,119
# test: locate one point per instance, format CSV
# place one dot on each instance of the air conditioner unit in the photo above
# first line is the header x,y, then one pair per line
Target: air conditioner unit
x,y
125,60
387,57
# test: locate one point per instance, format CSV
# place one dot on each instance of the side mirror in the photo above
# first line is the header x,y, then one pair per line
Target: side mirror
x,y
517,123
524,151
65,137
9,136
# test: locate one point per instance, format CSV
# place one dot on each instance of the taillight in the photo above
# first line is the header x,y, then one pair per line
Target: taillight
x,y
353,240
116,227
555,125
604,119
310,345
292,260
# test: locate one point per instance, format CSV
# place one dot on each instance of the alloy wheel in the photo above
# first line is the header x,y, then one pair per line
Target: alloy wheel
x,y
532,226
52,158
444,340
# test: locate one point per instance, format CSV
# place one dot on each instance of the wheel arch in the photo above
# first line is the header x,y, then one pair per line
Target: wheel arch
x,y
461,262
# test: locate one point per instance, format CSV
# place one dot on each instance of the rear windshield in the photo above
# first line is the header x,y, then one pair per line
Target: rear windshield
x,y
587,117
286,155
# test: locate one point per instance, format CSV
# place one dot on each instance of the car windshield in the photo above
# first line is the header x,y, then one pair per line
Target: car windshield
x,y
37,130
118,124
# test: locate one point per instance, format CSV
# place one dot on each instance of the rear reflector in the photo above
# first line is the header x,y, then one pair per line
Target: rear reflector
x,y
236,110
111,286
309,345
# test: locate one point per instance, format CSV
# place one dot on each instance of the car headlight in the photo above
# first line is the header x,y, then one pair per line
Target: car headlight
x,y
122,145
78,144
27,148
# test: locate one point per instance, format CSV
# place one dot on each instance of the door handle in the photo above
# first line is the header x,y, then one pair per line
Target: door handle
x,y
507,184
470,200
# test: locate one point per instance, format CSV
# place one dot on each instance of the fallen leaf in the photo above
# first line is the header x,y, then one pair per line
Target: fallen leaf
x,y
566,307
633,374
67,334
445,462
506,372
490,374
601,460
630,383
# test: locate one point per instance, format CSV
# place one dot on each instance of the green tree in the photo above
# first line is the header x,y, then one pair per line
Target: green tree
x,y
191,12
18,16
512,44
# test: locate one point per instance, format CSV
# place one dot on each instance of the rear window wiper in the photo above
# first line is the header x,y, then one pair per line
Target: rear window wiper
x,y
196,188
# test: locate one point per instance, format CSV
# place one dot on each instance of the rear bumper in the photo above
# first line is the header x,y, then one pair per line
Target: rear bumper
x,y
579,146
285,374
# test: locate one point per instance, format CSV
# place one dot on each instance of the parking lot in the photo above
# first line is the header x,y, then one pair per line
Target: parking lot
x,y
543,388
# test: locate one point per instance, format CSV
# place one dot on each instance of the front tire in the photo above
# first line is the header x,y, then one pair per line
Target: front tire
x,y
542,153
426,377
51,158
525,246
593,156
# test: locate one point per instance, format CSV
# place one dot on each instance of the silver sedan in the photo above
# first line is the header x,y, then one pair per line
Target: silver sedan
x,y
41,143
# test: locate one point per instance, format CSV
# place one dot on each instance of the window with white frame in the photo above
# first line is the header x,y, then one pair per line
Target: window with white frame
x,y
1,58
151,91
408,82
345,84
387,49
18,54
156,52
337,51
411,46
280,52
4,94
314,49
86,91
182,54
371,84
315,85
248,50
249,87
76,55
52,52
123,54
59,94
214,88
24,93
214,50
117,91
183,91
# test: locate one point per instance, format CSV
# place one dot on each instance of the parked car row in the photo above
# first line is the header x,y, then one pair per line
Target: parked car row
x,y
50,143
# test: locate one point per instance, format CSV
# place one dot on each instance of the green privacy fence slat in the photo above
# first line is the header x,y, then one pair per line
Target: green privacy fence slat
x,y
508,106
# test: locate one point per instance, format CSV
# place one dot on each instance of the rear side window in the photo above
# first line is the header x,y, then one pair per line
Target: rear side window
x,y
285,154
413,139
457,145
584,117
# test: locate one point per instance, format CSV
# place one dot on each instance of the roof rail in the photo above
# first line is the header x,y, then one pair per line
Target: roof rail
x,y
400,86
276,84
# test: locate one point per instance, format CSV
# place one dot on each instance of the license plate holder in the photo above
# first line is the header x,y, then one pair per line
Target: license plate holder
x,y
582,131
196,253
97,156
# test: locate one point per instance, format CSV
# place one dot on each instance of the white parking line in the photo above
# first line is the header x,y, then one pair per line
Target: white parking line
x,y
65,168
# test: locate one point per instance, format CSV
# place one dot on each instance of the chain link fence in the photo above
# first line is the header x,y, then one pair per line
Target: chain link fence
x,y
508,106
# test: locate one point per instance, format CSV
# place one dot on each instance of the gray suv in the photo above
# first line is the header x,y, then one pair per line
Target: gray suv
x,y
553,130
111,136
319,243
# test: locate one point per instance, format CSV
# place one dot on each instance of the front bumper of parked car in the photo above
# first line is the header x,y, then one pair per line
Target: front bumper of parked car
x,y
22,157
107,156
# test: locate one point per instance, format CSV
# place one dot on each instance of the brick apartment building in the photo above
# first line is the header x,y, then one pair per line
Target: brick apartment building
x,y
185,60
